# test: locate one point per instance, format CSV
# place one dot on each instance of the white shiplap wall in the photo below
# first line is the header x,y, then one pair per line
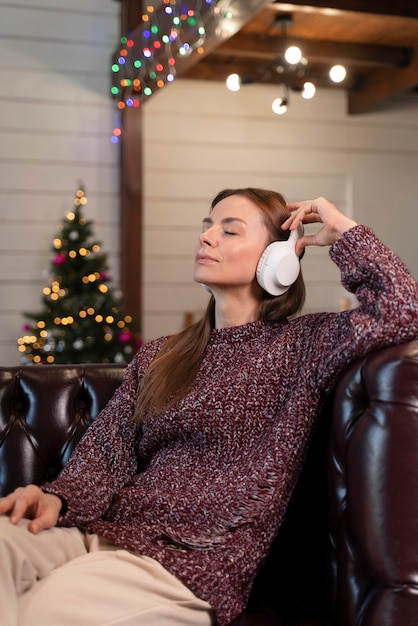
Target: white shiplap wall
x,y
55,128
200,138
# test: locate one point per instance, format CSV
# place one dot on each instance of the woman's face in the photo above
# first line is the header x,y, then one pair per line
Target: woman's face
x,y
233,239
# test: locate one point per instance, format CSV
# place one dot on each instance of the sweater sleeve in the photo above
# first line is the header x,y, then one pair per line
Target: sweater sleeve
x,y
103,460
388,303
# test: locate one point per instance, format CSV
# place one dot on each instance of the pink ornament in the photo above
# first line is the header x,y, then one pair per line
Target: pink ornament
x,y
60,258
125,336
26,327
104,276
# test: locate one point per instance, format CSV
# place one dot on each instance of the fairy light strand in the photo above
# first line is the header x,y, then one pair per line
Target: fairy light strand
x,y
143,66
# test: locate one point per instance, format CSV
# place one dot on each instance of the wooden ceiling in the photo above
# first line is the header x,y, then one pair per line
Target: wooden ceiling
x,y
376,40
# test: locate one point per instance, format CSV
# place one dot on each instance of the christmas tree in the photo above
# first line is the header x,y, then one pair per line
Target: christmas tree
x,y
81,320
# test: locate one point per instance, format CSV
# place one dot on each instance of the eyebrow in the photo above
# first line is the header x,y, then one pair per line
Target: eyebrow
x,y
225,220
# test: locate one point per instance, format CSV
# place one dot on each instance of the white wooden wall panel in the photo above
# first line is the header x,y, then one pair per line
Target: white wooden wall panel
x,y
64,146
81,6
55,127
37,62
49,205
59,21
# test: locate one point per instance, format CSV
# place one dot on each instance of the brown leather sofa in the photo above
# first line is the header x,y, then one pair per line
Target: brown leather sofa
x,y
347,553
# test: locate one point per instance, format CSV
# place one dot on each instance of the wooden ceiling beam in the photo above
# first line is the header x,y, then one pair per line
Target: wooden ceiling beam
x,y
401,8
261,73
382,84
269,48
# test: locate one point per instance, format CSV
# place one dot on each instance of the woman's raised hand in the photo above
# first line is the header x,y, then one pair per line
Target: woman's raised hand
x,y
42,508
334,222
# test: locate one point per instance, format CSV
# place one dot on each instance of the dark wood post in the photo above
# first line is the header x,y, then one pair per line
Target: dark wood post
x,y
131,177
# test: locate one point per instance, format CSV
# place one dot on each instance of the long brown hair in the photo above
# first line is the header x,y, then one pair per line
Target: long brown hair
x,y
172,373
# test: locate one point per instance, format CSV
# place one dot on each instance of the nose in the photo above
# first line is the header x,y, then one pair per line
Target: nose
x,y
207,237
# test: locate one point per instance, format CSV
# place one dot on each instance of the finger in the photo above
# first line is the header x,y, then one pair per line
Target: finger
x,y
24,499
304,242
302,216
293,206
47,515
46,520
7,503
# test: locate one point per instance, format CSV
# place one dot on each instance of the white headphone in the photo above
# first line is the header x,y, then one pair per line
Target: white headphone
x,y
279,265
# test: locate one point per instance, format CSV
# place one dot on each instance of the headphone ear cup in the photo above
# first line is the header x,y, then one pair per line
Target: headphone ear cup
x,y
279,265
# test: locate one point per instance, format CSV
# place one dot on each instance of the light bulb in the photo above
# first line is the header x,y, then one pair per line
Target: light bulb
x,y
337,73
308,90
279,106
233,82
293,55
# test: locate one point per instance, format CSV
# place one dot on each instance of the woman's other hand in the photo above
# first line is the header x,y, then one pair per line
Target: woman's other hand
x,y
334,222
42,508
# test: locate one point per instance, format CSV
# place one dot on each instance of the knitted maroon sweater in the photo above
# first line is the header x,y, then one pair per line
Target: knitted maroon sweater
x,y
204,486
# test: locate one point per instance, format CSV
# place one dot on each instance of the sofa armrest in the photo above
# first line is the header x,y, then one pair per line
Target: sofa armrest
x,y
374,487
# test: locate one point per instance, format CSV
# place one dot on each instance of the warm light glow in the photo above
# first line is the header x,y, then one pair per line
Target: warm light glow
x,y
337,73
233,82
293,55
308,91
279,106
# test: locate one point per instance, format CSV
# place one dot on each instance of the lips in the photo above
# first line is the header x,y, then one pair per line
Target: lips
x,y
204,259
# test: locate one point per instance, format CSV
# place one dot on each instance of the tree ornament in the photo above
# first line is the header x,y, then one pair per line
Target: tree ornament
x,y
60,258
125,336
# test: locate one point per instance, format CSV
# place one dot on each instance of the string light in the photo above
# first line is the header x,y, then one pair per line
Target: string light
x,y
166,35
233,82
308,90
291,67
337,73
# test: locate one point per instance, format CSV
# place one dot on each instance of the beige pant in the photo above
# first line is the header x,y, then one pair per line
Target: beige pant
x,y
61,577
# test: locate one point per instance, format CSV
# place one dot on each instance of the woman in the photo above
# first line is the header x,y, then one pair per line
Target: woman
x,y
170,502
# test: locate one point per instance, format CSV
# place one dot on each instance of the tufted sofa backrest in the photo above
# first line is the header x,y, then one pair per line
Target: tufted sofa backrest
x,y
44,410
